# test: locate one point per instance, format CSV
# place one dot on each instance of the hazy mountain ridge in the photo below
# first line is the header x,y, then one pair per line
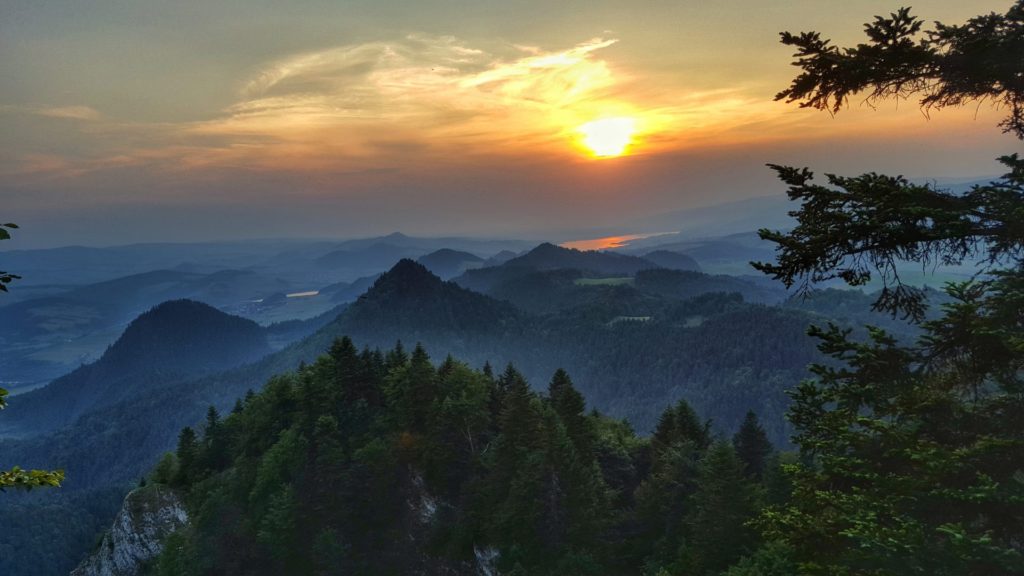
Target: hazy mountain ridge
x,y
629,368
173,341
447,263
548,256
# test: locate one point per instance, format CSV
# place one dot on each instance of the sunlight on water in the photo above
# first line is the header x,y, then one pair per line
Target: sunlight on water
x,y
608,242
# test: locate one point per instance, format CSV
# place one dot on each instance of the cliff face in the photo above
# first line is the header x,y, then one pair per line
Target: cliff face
x,y
148,515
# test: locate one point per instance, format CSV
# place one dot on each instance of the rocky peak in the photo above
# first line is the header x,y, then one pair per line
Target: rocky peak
x,y
147,517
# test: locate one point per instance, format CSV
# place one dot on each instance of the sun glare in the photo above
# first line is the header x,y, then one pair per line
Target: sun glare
x,y
608,137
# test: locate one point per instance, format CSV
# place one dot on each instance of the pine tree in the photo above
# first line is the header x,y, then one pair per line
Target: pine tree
x,y
911,453
571,407
752,446
716,526
187,453
396,357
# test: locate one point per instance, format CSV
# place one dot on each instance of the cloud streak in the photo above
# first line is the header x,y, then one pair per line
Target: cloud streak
x,y
419,104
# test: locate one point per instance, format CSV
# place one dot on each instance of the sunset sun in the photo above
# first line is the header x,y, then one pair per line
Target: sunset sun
x,y
608,137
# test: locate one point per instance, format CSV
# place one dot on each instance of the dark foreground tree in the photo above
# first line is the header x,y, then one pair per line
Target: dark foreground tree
x,y
16,477
914,455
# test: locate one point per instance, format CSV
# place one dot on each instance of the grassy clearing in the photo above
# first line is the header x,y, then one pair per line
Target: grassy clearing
x,y
613,281
619,319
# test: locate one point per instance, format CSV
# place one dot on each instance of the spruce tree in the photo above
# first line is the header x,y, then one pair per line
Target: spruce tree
x,y
752,446
911,452
717,531
187,453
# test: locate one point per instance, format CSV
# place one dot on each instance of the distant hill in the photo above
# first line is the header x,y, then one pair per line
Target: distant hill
x,y
672,260
347,260
729,254
548,256
683,285
379,256
448,263
551,257
173,341
46,337
410,302
499,258
342,292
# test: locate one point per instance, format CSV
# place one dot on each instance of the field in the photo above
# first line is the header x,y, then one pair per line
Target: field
x,y
612,281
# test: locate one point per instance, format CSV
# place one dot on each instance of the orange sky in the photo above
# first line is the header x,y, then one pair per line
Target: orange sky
x,y
119,112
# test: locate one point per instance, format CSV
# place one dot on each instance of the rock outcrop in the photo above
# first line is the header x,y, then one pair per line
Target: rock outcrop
x,y
148,516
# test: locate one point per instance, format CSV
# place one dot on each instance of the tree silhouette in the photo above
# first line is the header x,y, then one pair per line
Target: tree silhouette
x,y
912,454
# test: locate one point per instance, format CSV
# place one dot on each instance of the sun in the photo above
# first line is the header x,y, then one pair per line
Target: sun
x,y
608,137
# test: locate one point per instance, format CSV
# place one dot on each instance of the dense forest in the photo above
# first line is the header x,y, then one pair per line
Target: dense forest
x,y
380,463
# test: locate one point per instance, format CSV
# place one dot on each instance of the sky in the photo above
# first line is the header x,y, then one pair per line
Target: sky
x,y
137,120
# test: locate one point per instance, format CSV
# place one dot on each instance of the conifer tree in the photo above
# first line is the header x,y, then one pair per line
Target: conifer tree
x,y
187,453
752,446
717,524
911,453
571,409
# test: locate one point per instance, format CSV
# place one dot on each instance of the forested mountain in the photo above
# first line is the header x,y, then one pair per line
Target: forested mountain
x,y
672,260
148,354
448,263
371,258
551,257
724,355
46,337
374,463
499,258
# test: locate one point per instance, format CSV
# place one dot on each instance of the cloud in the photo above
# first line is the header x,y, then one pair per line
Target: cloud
x,y
77,112
69,112
421,88
423,102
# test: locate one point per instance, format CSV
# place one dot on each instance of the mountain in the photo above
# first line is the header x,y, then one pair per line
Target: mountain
x,y
375,257
78,265
348,291
448,263
173,341
409,302
723,355
499,258
345,261
672,260
729,254
548,256
46,337
684,284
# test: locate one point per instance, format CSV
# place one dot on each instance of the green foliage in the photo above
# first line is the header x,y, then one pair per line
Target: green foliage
x,y
716,526
947,66
752,446
166,470
911,454
772,559
7,277
448,460
29,479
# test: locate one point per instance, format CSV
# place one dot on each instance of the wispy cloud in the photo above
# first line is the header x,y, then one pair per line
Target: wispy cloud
x,y
76,112
421,101
69,112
